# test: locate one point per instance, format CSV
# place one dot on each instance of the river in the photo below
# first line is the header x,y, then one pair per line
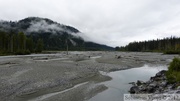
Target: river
x,y
119,85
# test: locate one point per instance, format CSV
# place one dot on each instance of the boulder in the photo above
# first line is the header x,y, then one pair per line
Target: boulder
x,y
178,92
163,84
143,88
118,57
133,83
151,89
161,73
139,83
134,89
174,86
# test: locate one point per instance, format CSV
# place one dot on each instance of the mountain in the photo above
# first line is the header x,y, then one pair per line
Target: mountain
x,y
55,36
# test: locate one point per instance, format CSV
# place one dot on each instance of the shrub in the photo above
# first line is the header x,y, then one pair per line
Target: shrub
x,y
27,52
19,52
175,65
173,74
178,76
172,52
22,52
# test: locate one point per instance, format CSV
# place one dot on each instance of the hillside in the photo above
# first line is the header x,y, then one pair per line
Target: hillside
x,y
55,36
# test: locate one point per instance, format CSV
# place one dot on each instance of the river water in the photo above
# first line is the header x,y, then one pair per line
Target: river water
x,y
119,85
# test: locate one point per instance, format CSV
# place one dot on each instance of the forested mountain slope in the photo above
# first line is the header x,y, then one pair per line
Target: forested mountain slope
x,y
55,36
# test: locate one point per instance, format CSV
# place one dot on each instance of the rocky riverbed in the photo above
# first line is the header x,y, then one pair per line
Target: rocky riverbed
x,y
157,84
38,76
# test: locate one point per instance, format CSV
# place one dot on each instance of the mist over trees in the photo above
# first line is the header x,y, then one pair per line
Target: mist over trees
x,y
18,43
171,44
53,34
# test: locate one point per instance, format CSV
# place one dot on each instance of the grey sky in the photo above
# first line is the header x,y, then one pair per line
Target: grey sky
x,y
111,22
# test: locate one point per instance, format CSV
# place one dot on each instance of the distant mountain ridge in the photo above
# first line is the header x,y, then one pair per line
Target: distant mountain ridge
x,y
26,24
55,35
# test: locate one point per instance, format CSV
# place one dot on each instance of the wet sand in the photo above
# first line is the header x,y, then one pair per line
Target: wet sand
x,y
47,77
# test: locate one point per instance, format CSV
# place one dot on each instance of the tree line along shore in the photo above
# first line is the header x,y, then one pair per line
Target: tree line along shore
x,y
170,45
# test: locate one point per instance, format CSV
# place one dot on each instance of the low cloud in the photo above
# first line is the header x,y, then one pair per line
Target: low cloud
x,y
42,25
110,22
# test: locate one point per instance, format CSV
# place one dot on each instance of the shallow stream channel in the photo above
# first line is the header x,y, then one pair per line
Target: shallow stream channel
x,y
119,85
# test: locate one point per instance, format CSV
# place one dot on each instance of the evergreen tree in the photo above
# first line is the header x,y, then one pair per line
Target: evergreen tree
x,y
18,43
21,41
39,46
30,44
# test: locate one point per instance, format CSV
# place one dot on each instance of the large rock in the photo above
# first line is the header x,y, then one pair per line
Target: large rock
x,y
151,89
139,82
178,92
163,84
161,73
133,83
154,84
134,90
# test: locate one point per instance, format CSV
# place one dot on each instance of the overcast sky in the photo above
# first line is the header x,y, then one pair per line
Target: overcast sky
x,y
110,22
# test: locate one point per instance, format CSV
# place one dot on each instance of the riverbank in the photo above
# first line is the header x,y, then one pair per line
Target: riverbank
x,y
119,85
31,76
165,81
157,88
157,84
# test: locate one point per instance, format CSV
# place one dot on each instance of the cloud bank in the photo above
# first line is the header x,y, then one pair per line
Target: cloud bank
x,y
44,26
110,22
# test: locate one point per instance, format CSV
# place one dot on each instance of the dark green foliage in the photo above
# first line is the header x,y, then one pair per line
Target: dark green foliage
x,y
27,51
172,52
3,41
173,74
19,52
54,38
21,41
19,44
30,44
39,46
166,45
175,65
